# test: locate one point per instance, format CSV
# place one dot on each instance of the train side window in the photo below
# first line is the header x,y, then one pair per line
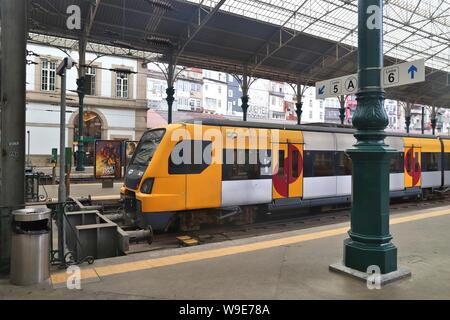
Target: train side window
x,y
323,164
281,168
430,161
308,164
240,165
295,159
343,164
185,160
397,163
447,161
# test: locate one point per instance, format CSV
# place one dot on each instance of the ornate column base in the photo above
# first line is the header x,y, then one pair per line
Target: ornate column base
x,y
342,115
361,256
407,123
299,112
170,91
369,243
244,106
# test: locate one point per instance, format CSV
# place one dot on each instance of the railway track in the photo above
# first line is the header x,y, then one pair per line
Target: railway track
x,y
275,223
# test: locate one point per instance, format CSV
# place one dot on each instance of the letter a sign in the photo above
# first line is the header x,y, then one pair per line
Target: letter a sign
x,y
337,87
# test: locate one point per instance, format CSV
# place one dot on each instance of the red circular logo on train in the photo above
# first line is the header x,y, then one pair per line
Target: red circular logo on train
x,y
412,166
282,180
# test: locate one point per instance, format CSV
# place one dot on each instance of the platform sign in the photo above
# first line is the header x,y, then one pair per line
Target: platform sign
x,y
392,76
404,74
336,87
108,159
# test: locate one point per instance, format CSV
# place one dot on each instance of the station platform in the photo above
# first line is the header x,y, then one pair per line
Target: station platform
x,y
289,265
88,173
78,190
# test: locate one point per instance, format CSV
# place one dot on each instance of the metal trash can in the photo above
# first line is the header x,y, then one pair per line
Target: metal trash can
x,y
30,254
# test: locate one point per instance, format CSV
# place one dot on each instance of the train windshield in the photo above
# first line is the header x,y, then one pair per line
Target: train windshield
x,y
147,147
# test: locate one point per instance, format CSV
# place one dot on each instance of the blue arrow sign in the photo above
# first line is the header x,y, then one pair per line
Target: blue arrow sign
x,y
412,71
322,90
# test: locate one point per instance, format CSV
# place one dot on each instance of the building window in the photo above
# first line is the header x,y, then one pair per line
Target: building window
x,y
91,72
219,89
48,75
230,93
310,114
122,85
211,103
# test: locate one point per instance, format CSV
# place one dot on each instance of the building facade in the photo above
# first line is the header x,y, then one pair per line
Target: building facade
x,y
215,92
115,109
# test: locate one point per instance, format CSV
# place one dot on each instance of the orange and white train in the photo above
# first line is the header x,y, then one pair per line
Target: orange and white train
x,y
289,166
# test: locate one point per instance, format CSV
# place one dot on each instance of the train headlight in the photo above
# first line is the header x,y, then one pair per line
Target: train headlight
x,y
147,186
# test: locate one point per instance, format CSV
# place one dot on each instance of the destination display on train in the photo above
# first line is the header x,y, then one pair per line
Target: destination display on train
x,y
392,76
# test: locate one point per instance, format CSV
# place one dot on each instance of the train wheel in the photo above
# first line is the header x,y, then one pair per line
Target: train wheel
x,y
187,222
248,216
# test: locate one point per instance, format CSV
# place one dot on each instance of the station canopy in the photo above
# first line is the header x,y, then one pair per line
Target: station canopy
x,y
283,40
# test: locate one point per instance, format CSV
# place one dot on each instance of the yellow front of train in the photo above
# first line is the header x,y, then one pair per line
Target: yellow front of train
x,y
150,195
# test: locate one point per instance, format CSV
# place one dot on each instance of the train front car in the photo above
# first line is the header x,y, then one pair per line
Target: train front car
x,y
140,178
171,173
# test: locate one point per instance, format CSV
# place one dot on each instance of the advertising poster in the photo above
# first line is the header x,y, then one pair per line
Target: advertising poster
x,y
130,147
108,156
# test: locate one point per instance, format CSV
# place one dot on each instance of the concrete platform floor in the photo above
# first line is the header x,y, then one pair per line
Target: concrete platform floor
x,y
291,265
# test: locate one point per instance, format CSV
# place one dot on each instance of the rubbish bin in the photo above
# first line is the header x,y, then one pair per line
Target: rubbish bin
x,y
30,254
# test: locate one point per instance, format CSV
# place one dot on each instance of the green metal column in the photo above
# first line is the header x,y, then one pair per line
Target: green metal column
x,y
81,93
245,86
245,99
342,109
80,138
299,112
370,241
171,76
408,116
423,120
299,104
170,91
433,120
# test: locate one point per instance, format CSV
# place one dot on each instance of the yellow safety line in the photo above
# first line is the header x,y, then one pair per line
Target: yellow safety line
x,y
114,269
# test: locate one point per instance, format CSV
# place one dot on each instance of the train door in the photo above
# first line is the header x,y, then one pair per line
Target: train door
x,y
413,167
288,171
295,161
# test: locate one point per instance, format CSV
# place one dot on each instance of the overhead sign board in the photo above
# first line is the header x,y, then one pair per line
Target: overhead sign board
x,y
392,76
403,74
337,87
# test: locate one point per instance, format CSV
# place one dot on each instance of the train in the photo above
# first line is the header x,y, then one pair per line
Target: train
x,y
192,173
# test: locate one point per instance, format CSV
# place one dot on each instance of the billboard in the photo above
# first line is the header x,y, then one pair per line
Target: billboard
x,y
108,159
130,147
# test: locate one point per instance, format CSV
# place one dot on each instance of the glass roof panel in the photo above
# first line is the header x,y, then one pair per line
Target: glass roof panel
x,y
413,29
